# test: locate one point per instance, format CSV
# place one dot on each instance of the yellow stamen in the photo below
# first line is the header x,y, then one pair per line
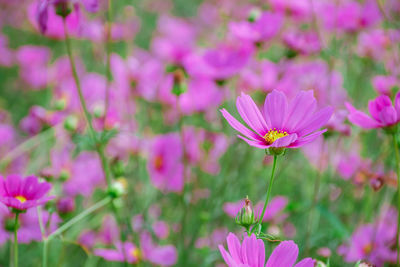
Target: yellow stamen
x,y
21,199
368,248
273,135
135,252
158,162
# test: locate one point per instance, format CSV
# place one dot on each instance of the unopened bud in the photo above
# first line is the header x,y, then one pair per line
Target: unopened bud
x,y
245,216
64,175
60,104
118,188
180,85
62,9
377,183
254,15
98,111
71,123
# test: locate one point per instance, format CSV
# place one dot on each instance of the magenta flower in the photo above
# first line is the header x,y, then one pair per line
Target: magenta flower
x,y
281,124
44,5
22,194
251,253
126,250
383,113
164,165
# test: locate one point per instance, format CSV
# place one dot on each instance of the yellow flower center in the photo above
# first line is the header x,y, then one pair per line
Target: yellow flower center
x,y
21,199
135,252
273,135
158,162
368,248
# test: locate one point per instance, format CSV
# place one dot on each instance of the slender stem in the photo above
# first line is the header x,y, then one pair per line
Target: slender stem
x,y
396,150
271,181
108,60
16,240
25,146
44,257
185,205
79,217
99,146
317,185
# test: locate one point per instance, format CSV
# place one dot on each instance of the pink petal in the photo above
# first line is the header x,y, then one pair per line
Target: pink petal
x,y
257,144
234,247
307,262
361,119
250,113
388,115
306,139
318,120
284,255
301,109
285,141
397,104
227,258
275,109
238,126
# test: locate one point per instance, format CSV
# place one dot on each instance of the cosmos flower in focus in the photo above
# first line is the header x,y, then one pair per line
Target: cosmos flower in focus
x,y
384,114
23,193
251,253
280,124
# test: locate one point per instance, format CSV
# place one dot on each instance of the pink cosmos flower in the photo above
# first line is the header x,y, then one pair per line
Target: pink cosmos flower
x,y
251,253
263,29
281,124
23,193
165,166
42,15
43,7
33,62
383,113
126,250
384,84
374,241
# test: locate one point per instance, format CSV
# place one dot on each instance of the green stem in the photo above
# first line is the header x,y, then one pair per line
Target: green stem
x,y
271,181
99,146
79,217
108,60
26,146
185,205
396,150
16,240
44,257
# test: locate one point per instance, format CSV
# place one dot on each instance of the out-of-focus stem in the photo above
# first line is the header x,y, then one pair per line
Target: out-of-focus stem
x,y
25,146
16,240
396,150
185,206
108,59
99,146
79,217
44,255
271,182
317,185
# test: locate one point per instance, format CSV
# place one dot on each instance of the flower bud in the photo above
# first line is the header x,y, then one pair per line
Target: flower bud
x,y
71,123
118,188
180,85
254,15
60,104
63,9
245,216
